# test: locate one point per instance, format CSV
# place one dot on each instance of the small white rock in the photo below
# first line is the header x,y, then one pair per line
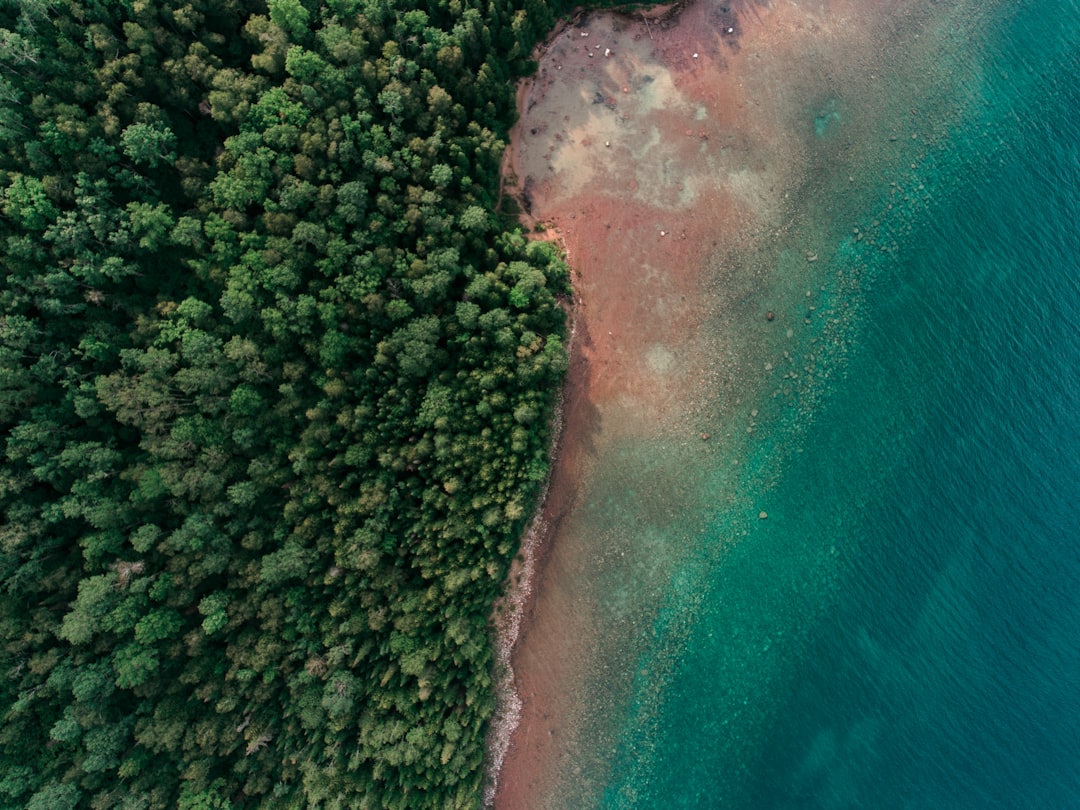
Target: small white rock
x,y
695,56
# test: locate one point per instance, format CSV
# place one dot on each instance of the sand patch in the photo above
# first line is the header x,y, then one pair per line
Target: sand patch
x,y
659,359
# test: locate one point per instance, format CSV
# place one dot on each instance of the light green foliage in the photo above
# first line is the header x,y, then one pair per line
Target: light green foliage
x,y
215,608
96,597
150,224
149,144
26,201
291,16
55,797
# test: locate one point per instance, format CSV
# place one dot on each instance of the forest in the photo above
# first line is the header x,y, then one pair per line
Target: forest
x,y
276,382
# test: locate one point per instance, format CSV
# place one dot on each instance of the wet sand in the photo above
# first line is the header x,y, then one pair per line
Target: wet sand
x,y
663,153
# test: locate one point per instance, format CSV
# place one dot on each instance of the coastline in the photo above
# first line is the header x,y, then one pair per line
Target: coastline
x,y
519,745
523,727
570,422
667,160
511,611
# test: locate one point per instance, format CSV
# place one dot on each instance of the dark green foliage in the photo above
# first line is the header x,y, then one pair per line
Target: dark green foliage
x,y
274,392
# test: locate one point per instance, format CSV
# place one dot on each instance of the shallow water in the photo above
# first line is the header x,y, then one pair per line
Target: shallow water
x,y
861,590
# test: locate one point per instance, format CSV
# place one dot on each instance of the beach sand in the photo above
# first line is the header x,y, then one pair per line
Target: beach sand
x,y
666,154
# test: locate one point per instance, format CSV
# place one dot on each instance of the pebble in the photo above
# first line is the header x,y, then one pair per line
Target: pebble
x,y
762,515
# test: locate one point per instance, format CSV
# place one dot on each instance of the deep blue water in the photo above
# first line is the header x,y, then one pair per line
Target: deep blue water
x,y
943,478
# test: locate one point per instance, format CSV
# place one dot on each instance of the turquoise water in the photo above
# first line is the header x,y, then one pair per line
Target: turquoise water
x,y
903,629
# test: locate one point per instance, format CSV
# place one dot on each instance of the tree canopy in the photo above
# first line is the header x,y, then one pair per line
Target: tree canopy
x,y
275,388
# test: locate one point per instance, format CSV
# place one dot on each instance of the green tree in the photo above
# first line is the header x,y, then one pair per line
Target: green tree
x,y
149,144
291,16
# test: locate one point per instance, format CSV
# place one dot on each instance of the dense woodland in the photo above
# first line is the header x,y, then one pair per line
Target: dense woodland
x,y
275,384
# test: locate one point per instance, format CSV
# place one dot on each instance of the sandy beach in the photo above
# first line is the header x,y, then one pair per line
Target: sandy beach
x,y
662,153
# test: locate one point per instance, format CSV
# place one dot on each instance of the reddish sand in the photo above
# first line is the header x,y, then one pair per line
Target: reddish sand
x,y
653,151
613,183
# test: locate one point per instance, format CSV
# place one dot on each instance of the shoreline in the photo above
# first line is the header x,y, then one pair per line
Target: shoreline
x,y
511,611
659,154
670,163
574,420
